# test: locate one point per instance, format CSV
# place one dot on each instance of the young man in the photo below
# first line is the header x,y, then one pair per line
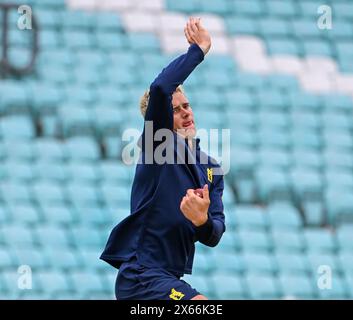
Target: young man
x,y
172,205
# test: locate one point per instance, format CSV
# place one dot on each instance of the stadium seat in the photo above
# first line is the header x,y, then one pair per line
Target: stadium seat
x,y
320,259
345,237
82,149
297,286
320,240
292,263
273,184
337,290
7,259
48,193
62,258
87,283
253,241
29,256
229,263
288,240
18,235
228,287
52,235
229,242
16,127
57,213
48,171
18,150
19,171
15,192
50,149
259,263
262,287
25,213
203,265
284,216
54,282
84,236
250,217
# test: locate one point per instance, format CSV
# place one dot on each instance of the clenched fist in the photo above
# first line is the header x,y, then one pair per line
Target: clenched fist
x,y
194,207
196,33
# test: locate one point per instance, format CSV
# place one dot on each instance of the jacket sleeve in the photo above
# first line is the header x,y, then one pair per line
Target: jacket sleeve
x,y
211,231
159,109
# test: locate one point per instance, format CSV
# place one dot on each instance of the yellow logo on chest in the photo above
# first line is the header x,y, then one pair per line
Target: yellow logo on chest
x,y
210,174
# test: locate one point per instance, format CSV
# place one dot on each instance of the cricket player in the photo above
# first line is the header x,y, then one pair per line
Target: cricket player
x,y
173,205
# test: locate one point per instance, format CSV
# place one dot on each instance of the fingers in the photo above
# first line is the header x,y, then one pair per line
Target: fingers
x,y
187,35
190,193
206,192
193,26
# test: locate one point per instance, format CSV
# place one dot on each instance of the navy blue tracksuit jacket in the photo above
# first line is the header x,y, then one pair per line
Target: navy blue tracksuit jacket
x,y
156,232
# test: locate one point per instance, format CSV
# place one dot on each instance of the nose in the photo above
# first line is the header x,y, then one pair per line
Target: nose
x,y
186,113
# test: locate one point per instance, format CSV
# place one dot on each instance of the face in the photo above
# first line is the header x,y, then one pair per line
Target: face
x,y
183,115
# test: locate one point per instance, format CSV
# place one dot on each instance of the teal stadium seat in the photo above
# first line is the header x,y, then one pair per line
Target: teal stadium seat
x,y
254,8
16,127
255,241
25,213
63,259
229,242
250,217
345,237
15,192
32,257
82,149
262,287
55,172
48,193
284,216
79,20
87,237
18,235
284,9
229,263
238,24
221,8
259,263
297,286
54,283
20,171
58,213
273,27
19,150
292,263
83,172
318,260
7,259
337,291
320,240
14,98
81,193
52,236
288,240
87,283
108,21
272,184
229,287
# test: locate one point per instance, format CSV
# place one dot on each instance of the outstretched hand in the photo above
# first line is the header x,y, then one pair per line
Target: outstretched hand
x,y
196,33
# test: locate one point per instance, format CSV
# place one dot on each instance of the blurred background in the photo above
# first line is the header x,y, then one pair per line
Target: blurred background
x,y
71,86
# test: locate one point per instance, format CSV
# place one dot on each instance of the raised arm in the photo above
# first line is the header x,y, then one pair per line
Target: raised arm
x,y
160,109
